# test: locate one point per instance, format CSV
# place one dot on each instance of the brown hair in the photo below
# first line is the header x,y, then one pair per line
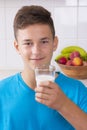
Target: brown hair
x,y
29,15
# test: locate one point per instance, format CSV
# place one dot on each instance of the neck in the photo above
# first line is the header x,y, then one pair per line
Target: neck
x,y
29,78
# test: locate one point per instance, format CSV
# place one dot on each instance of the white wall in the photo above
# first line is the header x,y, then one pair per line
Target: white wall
x,y
70,20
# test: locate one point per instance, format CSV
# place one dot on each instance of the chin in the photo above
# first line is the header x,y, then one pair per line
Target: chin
x,y
33,66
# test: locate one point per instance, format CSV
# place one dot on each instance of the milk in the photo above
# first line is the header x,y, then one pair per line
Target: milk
x,y
43,78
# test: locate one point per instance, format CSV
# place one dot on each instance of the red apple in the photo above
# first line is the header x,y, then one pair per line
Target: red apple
x,y
74,54
77,61
62,60
69,62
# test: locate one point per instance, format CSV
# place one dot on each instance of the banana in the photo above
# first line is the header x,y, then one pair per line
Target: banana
x,y
85,58
70,49
62,55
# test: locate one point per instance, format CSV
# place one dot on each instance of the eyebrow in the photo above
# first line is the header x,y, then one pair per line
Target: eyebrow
x,y
44,38
27,40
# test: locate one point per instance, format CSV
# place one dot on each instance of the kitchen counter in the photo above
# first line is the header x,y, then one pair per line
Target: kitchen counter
x,y
84,82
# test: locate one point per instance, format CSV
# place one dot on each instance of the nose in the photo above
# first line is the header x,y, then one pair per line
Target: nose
x,y
36,49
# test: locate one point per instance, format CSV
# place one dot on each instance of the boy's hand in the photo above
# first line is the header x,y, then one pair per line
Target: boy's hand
x,y
50,94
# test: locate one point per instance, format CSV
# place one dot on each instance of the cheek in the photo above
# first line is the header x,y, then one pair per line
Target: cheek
x,y
49,53
50,50
24,53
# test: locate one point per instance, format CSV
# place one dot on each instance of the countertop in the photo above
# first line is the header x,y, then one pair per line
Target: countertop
x,y
84,82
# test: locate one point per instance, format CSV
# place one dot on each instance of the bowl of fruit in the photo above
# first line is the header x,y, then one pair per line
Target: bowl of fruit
x,y
73,62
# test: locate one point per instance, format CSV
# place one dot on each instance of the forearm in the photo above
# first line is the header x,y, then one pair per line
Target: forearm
x,y
74,115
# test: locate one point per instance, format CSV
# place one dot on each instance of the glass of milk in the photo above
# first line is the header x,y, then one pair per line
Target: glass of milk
x,y
45,73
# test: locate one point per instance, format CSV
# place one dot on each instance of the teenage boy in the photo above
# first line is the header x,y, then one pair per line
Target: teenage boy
x,y
59,105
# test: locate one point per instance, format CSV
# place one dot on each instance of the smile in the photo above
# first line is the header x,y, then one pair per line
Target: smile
x,y
37,59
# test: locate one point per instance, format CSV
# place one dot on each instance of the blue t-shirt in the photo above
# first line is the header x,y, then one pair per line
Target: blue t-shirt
x,y
20,111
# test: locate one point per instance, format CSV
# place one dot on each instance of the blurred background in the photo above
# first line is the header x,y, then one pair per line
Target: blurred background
x,y
70,19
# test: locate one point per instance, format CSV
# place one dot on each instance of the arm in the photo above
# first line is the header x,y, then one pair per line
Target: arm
x,y
53,97
74,114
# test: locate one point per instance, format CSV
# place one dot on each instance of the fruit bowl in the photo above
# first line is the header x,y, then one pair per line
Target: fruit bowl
x,y
77,72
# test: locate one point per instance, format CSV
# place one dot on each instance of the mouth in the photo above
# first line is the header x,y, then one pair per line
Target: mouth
x,y
37,59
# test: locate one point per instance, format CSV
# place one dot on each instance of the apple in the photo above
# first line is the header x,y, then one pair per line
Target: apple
x,y
69,63
62,60
77,61
74,54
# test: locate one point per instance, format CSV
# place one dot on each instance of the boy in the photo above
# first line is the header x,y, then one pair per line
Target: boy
x,y
52,106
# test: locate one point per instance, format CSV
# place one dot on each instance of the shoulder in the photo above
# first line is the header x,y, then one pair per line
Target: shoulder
x,y
8,80
74,89
65,80
70,85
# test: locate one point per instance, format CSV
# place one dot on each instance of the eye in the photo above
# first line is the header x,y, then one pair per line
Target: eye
x,y
45,41
28,43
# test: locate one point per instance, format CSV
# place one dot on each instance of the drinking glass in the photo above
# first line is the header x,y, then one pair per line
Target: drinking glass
x,y
44,73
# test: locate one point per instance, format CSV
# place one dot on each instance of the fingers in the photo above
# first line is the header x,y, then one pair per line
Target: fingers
x,y
43,101
42,89
46,84
46,93
47,88
42,96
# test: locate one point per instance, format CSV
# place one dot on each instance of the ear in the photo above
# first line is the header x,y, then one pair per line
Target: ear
x,y
16,45
55,44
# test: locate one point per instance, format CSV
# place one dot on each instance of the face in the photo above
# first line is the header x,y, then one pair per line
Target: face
x,y
35,44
